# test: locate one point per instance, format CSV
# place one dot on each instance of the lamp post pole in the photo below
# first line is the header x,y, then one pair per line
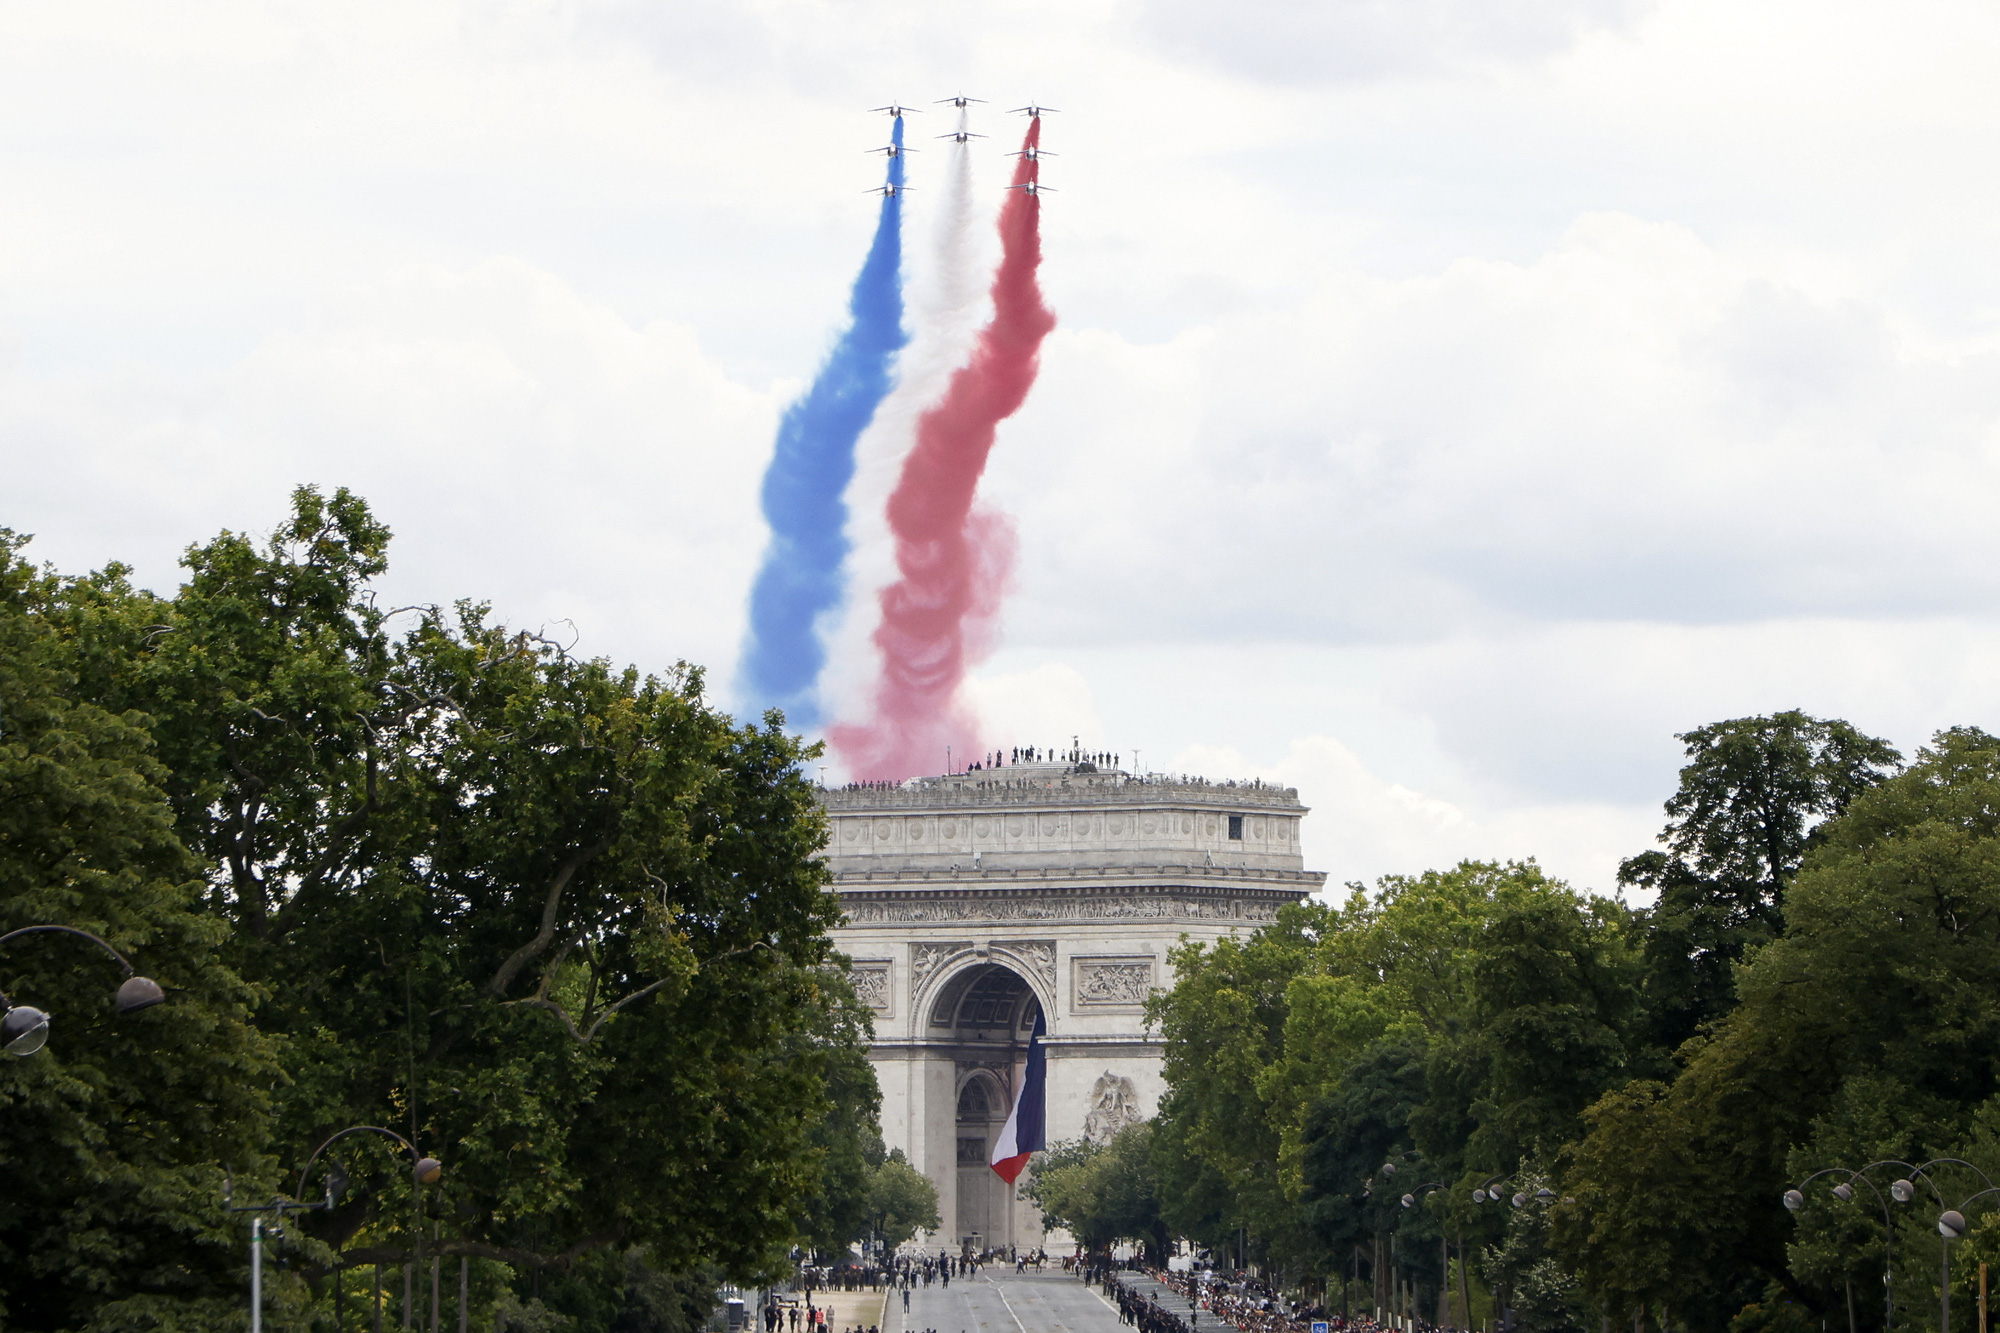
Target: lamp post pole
x,y
1444,1249
256,1275
256,1211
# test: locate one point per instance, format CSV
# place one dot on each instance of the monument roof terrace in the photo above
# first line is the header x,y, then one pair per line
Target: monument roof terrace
x,y
1046,784
1072,818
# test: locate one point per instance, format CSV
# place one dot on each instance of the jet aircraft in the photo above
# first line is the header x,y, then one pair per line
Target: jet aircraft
x,y
959,101
1033,154
962,136
894,110
894,149
1031,110
889,191
1032,187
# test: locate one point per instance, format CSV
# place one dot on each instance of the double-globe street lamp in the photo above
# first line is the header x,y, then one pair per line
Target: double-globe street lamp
x,y
24,1029
1444,1246
1951,1224
423,1171
1487,1191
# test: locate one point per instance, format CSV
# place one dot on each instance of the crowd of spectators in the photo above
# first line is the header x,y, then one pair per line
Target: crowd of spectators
x,y
1207,1302
902,1271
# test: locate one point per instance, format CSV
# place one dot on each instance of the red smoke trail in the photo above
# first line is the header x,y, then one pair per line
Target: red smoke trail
x,y
953,563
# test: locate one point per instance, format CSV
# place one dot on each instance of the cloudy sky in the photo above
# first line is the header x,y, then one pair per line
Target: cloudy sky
x,y
1452,400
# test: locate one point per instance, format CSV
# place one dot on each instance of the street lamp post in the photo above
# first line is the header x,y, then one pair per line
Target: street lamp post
x,y
1489,1192
1951,1222
1444,1249
1951,1225
24,1029
423,1171
280,1207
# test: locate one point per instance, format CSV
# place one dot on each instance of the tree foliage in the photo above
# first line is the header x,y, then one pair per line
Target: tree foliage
x,y
1753,799
901,1201
1103,1194
557,922
1869,1028
110,1152
1813,986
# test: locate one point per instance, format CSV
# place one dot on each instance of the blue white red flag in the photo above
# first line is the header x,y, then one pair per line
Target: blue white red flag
x,y
1025,1131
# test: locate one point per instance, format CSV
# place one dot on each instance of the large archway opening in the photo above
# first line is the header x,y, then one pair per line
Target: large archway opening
x,y
985,1015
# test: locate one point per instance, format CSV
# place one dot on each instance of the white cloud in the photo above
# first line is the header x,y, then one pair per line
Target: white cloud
x,y
1363,827
1047,708
1451,401
1313,41
518,440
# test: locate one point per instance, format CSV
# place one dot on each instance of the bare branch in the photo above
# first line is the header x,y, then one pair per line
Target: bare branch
x,y
551,910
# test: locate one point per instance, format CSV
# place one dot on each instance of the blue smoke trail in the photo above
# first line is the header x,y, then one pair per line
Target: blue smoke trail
x,y
802,575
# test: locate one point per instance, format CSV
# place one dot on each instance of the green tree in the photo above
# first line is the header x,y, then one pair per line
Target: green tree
x,y
1753,799
901,1200
1224,1027
1543,1295
560,922
849,1138
1887,976
116,1132
1103,1194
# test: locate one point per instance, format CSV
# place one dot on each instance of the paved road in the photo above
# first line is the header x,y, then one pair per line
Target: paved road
x,y
1002,1301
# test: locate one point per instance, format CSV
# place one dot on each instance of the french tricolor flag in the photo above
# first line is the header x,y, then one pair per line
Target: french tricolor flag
x,y
1024,1132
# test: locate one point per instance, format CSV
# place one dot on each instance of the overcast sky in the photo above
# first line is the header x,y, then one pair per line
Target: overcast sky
x,y
1452,400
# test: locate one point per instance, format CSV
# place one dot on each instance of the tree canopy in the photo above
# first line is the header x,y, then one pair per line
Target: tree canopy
x,y
557,922
1811,987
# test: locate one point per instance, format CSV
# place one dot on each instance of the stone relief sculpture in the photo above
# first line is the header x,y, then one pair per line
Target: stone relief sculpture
x,y
1114,1104
924,960
871,985
1113,981
1038,956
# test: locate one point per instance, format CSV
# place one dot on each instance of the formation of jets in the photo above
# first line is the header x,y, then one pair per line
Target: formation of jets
x,y
963,136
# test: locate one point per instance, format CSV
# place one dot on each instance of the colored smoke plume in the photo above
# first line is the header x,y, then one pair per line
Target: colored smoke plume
x,y
801,576
952,563
946,305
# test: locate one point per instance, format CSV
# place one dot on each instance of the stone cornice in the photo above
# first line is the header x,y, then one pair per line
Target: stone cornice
x,y
1176,898
1119,879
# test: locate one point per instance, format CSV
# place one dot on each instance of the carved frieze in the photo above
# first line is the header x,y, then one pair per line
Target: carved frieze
x,y
1111,983
871,984
1123,907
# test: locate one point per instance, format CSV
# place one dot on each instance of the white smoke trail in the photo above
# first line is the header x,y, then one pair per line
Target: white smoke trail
x,y
947,303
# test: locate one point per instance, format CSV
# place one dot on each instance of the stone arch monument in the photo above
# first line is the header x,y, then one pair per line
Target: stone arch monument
x,y
976,900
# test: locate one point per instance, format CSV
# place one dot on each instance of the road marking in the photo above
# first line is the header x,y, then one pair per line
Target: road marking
x,y
1004,1301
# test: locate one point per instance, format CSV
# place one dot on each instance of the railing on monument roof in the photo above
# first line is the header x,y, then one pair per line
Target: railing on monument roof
x,y
1041,784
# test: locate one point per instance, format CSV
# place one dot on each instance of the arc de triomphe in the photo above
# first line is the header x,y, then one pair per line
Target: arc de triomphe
x,y
975,899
